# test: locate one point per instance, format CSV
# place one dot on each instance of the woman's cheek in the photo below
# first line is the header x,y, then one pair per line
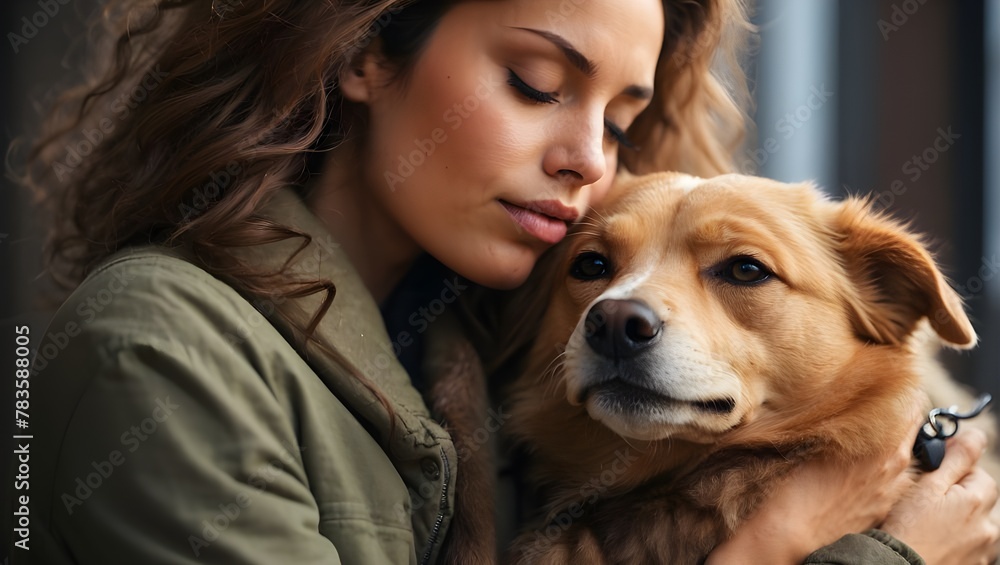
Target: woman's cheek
x,y
496,121
493,146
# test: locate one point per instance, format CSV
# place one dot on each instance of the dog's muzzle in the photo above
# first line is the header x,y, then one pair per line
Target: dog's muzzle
x,y
620,332
621,329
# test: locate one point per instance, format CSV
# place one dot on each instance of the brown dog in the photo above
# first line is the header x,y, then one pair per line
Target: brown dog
x,y
700,338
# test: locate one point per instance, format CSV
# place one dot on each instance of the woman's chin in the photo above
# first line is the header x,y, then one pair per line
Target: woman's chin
x,y
507,271
491,278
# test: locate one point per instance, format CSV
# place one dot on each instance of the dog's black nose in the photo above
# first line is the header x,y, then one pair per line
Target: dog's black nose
x,y
621,328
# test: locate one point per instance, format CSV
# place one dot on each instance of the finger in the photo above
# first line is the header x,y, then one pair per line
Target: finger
x,y
981,486
962,453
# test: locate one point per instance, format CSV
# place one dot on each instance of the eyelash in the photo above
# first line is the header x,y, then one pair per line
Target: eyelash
x,y
536,96
618,135
530,93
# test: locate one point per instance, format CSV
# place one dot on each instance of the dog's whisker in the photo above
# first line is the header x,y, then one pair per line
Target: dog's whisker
x,y
557,360
600,216
560,379
553,370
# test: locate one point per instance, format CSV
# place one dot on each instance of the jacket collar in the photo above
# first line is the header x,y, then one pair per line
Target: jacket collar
x,y
352,327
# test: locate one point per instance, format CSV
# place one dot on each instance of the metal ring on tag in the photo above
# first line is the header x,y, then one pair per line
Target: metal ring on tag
x,y
940,430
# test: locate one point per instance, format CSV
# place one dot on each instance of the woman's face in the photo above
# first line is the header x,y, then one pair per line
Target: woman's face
x,y
508,126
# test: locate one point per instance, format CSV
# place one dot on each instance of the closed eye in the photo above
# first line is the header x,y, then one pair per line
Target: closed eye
x,y
615,133
529,92
618,135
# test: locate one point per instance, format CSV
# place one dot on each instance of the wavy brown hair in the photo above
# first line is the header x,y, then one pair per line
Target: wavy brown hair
x,y
192,89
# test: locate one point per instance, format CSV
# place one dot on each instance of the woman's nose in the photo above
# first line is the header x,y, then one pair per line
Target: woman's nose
x,y
578,158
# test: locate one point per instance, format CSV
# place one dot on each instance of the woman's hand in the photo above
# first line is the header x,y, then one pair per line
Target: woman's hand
x,y
945,517
819,503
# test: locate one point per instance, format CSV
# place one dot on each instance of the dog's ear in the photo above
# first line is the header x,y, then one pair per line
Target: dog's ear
x,y
896,281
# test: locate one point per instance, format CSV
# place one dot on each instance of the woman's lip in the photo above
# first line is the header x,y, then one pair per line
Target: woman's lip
x,y
546,228
553,208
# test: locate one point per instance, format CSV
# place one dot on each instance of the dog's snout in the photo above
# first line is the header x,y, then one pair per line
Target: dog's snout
x,y
621,328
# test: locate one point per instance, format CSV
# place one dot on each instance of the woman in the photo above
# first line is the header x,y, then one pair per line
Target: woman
x,y
267,173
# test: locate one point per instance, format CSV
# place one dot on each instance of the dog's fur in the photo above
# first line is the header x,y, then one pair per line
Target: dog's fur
x,y
458,397
658,454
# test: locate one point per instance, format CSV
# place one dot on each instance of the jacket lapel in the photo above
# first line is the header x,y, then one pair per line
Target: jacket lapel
x,y
352,327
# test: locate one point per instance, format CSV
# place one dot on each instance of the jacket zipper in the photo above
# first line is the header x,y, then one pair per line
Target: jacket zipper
x,y
444,505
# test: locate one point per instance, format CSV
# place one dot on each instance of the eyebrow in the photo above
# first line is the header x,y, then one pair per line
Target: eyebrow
x,y
577,59
581,62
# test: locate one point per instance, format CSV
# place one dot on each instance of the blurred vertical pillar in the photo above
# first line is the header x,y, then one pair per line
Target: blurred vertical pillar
x,y
797,72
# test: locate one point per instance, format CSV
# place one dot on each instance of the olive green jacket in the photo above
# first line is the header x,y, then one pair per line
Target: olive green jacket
x,y
874,546
172,422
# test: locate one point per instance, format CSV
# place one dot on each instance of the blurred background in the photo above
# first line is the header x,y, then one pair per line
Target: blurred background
x,y
896,97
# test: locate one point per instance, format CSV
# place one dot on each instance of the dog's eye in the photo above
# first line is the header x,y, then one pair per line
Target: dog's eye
x,y
744,270
589,266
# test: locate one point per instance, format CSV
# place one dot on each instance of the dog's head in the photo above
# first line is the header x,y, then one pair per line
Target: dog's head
x,y
691,307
